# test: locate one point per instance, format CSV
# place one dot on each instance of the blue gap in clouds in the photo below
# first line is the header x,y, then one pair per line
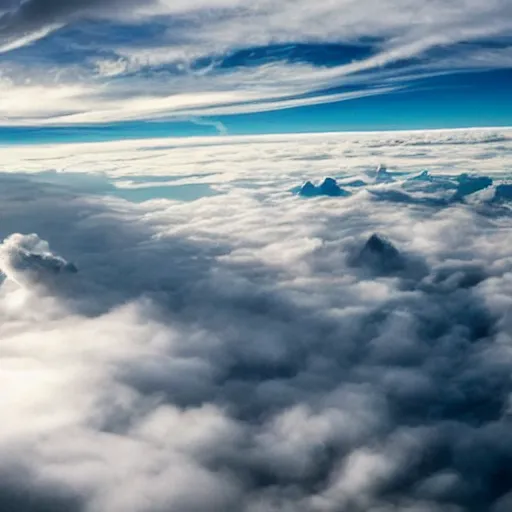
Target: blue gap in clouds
x,y
152,187
336,54
450,101
15,135
461,51
462,47
315,54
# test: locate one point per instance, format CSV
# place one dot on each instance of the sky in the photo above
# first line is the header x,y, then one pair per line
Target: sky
x,y
91,70
255,256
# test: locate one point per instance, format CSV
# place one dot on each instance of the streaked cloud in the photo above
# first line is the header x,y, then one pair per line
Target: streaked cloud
x,y
147,61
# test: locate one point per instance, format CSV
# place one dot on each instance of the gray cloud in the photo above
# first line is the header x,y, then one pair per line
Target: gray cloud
x,y
21,17
233,347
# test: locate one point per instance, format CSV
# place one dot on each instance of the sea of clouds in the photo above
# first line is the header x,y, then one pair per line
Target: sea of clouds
x,y
254,350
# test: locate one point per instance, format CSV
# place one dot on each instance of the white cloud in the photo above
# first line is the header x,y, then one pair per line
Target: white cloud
x,y
230,353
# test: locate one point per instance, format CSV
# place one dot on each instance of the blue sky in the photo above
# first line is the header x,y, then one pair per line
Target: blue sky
x,y
91,70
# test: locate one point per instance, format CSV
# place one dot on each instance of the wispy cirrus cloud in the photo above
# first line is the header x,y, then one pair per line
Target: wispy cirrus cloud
x,y
125,55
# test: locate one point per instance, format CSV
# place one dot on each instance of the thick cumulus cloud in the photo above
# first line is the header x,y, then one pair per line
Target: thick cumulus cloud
x,y
254,350
26,258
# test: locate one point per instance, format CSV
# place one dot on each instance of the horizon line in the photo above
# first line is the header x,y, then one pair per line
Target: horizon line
x,y
222,138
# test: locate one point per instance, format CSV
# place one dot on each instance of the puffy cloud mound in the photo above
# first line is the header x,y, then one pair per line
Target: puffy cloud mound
x,y
27,259
252,351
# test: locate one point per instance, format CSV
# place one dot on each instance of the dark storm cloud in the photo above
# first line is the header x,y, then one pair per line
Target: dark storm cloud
x,y
363,385
20,17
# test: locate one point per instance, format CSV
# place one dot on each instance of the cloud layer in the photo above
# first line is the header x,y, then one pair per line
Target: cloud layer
x,y
255,350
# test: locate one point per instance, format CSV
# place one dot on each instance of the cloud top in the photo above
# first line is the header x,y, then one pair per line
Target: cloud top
x,y
26,259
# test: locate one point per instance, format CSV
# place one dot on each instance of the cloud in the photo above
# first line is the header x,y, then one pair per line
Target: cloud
x,y
27,258
22,17
171,59
231,345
